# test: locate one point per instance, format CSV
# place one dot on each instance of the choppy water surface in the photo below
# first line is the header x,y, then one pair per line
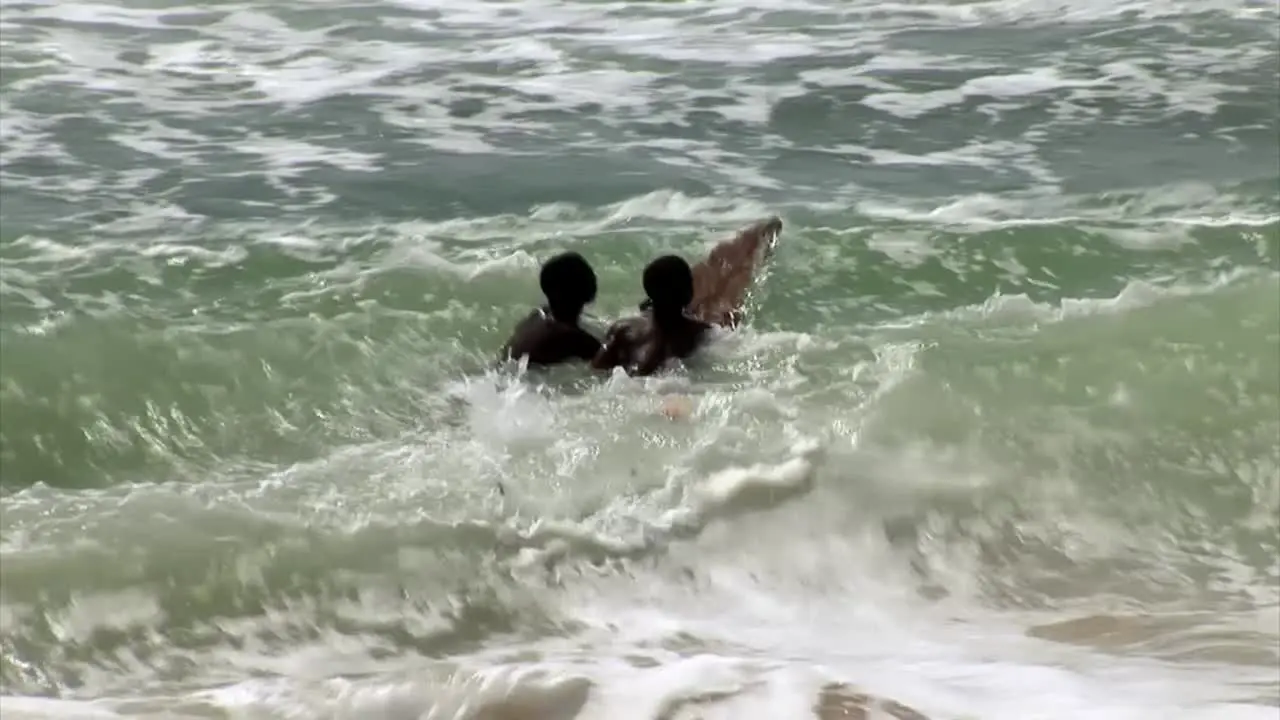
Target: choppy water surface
x,y
1002,439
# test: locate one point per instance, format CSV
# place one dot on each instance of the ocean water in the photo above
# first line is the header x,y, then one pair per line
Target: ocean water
x,y
1001,439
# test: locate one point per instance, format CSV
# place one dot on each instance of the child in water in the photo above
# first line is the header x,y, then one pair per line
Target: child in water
x,y
550,334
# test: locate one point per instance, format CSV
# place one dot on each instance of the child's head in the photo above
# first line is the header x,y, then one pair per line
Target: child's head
x,y
569,284
668,281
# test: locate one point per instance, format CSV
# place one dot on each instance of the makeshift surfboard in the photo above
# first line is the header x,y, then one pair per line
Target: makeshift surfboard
x,y
722,281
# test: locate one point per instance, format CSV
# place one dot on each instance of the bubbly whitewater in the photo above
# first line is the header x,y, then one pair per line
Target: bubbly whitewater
x,y
1001,439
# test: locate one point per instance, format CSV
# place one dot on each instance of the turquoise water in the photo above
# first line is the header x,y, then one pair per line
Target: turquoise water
x,y
1000,440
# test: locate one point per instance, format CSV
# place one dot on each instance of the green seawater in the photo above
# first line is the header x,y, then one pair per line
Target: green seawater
x,y
1004,422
